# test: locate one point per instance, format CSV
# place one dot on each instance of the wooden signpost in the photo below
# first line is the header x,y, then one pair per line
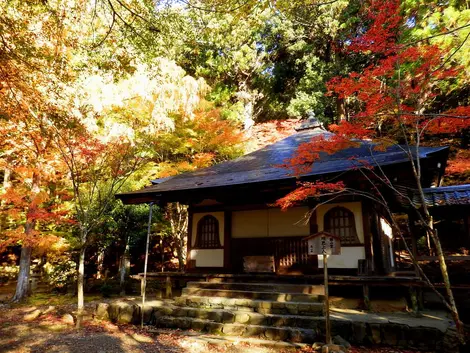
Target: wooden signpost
x,y
325,244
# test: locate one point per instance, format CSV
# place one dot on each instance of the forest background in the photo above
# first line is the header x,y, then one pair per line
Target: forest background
x,y
99,97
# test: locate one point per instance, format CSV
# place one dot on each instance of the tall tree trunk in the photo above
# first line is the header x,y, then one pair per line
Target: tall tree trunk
x,y
80,287
22,286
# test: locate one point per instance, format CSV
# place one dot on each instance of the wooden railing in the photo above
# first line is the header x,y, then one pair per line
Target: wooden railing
x,y
289,251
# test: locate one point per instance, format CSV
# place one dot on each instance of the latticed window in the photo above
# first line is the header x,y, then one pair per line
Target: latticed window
x,y
208,233
340,222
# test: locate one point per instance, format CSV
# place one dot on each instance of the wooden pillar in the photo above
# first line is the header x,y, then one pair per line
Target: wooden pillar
x,y
367,213
168,289
313,259
188,243
366,296
227,240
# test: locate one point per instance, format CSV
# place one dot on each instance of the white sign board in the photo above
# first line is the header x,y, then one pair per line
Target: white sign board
x,y
324,244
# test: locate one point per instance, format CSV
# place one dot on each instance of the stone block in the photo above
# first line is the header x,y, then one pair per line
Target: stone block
x,y
308,322
307,308
342,328
182,323
254,331
292,308
148,314
296,336
278,321
67,319
192,312
165,322
127,313
113,312
216,301
216,306
233,329
392,334
243,302
278,305
101,311
214,327
181,301
308,336
265,305
276,334
374,334
316,346
202,314
180,312
215,316
242,318
359,332
198,325
259,319
228,317
341,342
162,311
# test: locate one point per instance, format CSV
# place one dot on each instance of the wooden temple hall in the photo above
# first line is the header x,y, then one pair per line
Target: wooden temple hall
x,y
234,229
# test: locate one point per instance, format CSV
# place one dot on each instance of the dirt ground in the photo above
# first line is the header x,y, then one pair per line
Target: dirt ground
x,y
53,332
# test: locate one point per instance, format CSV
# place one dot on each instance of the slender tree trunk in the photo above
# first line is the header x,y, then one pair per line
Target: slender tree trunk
x,y
124,268
445,276
80,287
100,260
22,286
341,110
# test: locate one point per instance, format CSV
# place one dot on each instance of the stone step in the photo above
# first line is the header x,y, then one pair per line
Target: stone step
x,y
261,287
251,305
288,334
260,295
242,317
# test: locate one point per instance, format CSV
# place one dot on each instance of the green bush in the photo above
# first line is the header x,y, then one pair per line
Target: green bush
x,y
106,290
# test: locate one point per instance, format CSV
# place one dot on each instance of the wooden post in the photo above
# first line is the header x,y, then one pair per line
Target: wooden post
x,y
144,280
414,302
327,302
366,296
168,292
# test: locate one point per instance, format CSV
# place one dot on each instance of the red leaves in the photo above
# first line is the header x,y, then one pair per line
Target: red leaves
x,y
309,152
383,31
306,190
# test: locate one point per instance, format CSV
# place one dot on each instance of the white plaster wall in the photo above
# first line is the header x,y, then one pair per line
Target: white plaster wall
x,y
354,207
250,224
348,258
270,223
197,217
288,223
208,257
349,254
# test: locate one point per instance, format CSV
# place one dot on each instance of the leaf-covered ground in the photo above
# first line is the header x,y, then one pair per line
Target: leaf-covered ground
x,y
53,332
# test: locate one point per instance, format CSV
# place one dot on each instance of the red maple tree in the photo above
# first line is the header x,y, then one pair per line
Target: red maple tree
x,y
391,101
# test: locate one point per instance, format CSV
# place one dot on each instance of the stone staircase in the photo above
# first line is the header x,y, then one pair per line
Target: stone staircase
x,y
281,312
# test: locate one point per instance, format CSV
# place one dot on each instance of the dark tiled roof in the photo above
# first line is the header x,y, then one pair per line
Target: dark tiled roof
x,y
448,195
263,165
